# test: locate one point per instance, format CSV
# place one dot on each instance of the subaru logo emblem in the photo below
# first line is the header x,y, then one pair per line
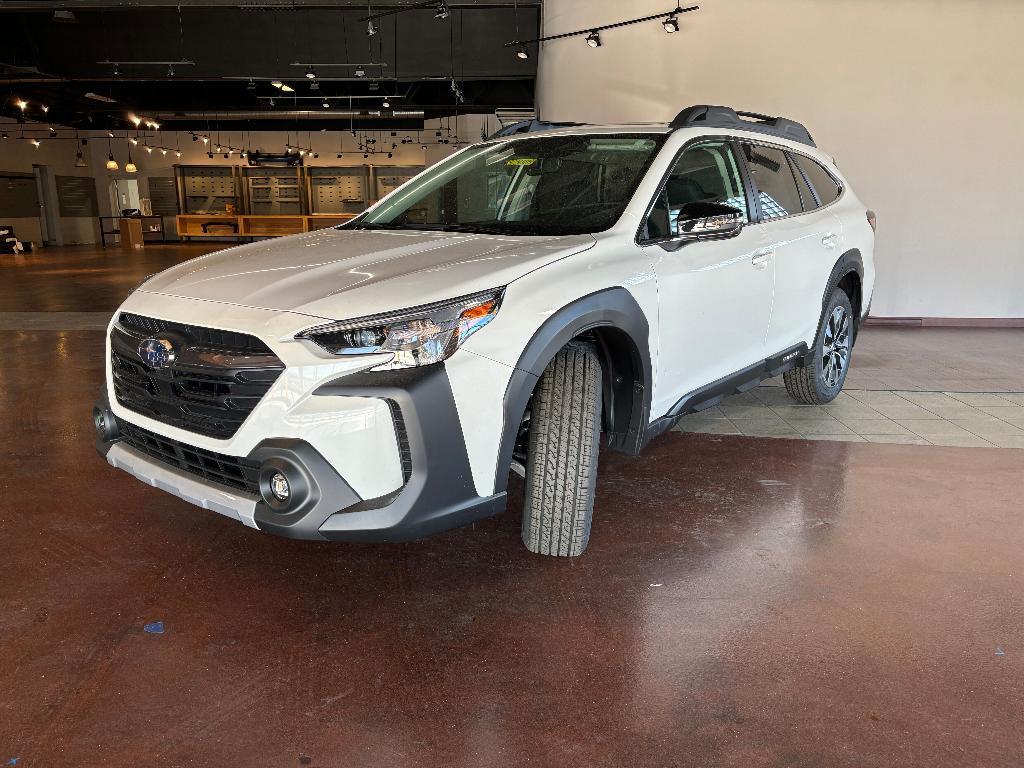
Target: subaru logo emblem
x,y
157,353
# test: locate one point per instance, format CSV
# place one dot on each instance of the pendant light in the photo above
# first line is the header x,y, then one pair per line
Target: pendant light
x,y
130,167
111,162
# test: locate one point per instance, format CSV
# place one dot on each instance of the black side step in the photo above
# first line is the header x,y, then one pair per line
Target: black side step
x,y
733,384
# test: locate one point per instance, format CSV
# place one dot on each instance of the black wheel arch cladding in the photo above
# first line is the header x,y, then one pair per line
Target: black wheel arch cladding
x,y
620,334
848,267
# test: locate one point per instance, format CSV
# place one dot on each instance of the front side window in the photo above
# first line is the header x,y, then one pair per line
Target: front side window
x,y
534,185
773,177
704,173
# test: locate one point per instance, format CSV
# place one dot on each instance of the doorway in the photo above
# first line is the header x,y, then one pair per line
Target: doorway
x,y
124,196
49,206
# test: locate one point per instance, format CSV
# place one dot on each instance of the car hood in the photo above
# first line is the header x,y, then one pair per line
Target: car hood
x,y
342,274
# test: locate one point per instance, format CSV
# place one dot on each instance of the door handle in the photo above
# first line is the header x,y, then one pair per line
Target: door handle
x,y
829,240
760,259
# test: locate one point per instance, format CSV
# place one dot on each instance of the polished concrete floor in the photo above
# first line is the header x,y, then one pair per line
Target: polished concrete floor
x,y
744,601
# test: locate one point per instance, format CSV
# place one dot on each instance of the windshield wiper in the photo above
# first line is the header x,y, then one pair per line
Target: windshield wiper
x,y
361,225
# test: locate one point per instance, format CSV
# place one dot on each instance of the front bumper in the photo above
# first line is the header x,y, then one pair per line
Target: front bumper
x,y
438,492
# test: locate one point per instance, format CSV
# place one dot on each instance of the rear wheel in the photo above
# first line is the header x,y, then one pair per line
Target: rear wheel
x,y
821,378
561,460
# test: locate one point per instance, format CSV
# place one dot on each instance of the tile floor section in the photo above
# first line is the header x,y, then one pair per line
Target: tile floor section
x,y
974,419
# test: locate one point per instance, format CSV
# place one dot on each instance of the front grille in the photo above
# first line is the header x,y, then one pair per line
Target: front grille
x,y
240,474
216,380
206,338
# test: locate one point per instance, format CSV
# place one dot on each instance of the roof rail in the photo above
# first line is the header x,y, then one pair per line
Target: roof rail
x,y
707,116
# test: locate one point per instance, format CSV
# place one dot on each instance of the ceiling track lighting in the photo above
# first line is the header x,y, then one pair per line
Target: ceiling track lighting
x,y
669,21
440,7
311,69
169,64
371,28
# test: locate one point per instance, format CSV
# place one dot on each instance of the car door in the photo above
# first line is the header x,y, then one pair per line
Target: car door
x,y
714,295
804,239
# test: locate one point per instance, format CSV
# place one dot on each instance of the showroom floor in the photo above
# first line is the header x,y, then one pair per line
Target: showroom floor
x,y
753,601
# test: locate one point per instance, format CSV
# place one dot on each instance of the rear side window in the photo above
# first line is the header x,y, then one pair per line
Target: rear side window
x,y
806,195
776,185
821,180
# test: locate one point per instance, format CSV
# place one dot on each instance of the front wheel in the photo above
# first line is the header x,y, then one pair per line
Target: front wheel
x,y
561,461
821,379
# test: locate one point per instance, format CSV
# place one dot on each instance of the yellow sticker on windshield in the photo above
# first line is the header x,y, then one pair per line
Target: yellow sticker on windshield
x,y
522,161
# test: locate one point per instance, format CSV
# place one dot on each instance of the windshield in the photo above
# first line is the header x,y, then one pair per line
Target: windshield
x,y
536,185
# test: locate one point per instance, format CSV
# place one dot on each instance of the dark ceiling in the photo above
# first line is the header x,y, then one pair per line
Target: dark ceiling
x,y
429,67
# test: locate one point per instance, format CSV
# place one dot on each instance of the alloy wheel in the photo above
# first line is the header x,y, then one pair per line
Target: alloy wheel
x,y
835,348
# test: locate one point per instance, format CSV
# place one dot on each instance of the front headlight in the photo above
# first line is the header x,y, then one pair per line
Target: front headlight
x,y
418,336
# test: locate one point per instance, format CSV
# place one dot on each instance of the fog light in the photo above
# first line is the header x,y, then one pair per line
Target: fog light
x,y
99,420
279,487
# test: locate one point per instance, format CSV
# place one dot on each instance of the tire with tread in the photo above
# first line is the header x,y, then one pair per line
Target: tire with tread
x,y
561,466
806,383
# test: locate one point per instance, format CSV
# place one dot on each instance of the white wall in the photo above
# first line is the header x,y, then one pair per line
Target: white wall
x,y
920,101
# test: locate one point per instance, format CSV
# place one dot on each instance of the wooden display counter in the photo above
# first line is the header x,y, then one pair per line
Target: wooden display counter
x,y
192,225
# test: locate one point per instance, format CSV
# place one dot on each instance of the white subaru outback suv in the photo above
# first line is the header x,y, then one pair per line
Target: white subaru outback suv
x,y
497,313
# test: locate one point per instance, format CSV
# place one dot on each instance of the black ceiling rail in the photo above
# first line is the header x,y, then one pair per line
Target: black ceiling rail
x,y
591,30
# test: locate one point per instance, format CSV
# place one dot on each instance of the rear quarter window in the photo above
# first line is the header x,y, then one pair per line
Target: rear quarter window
x,y
824,183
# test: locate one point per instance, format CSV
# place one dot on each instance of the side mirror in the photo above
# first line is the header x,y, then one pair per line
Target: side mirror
x,y
704,221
